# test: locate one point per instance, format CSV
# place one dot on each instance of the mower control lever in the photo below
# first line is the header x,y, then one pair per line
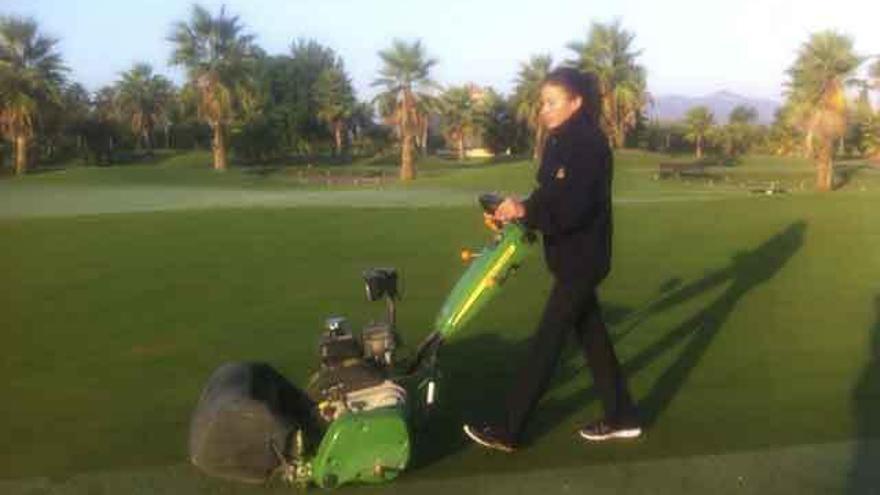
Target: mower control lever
x,y
490,202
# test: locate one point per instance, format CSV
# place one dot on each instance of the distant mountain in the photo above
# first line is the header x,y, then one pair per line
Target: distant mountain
x,y
673,107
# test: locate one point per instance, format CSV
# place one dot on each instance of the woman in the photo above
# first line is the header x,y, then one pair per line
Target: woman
x,y
571,207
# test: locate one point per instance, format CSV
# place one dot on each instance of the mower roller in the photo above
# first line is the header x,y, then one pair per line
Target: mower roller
x,y
352,423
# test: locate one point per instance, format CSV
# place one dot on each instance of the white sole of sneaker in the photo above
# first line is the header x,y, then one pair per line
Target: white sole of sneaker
x,y
476,438
629,433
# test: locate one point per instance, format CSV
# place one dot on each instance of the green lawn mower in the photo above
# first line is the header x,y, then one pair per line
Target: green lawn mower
x,y
353,422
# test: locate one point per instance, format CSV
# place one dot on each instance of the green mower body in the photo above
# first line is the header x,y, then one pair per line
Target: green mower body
x,y
483,278
362,404
367,447
374,446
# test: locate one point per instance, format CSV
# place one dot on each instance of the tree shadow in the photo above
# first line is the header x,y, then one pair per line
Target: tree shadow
x,y
512,158
116,159
125,157
865,475
844,174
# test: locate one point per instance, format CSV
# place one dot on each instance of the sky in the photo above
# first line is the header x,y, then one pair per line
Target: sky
x,y
689,47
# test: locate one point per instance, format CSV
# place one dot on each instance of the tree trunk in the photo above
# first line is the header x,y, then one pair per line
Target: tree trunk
x,y
825,171
699,147
21,154
620,124
337,135
822,175
425,137
148,143
539,143
417,138
461,154
407,166
808,144
219,147
609,117
619,130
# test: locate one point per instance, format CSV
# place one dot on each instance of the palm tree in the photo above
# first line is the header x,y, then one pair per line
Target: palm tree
x,y
699,122
31,75
335,98
422,120
460,115
630,98
426,106
217,57
608,54
405,75
816,90
144,98
527,96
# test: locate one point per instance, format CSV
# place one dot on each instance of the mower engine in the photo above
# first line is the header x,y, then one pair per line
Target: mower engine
x,y
354,374
362,408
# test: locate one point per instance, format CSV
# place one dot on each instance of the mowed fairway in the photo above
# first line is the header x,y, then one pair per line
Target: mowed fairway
x,y
749,324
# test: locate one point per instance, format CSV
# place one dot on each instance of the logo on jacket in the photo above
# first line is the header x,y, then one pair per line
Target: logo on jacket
x,y
560,173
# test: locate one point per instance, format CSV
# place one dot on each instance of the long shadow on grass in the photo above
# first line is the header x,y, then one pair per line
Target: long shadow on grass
x,y
747,271
480,369
476,375
844,174
865,477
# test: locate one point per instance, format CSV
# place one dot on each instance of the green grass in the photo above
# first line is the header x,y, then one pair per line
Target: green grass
x,y
750,325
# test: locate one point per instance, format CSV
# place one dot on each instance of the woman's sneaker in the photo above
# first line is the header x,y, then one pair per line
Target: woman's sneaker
x,y
607,430
489,437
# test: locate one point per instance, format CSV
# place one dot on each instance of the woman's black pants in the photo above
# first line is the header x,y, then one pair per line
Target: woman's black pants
x,y
570,308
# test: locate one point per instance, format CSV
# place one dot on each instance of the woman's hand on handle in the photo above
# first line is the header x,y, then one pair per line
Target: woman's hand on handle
x,y
509,210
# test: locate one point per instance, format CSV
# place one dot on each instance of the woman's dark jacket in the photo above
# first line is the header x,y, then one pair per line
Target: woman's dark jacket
x,y
571,206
